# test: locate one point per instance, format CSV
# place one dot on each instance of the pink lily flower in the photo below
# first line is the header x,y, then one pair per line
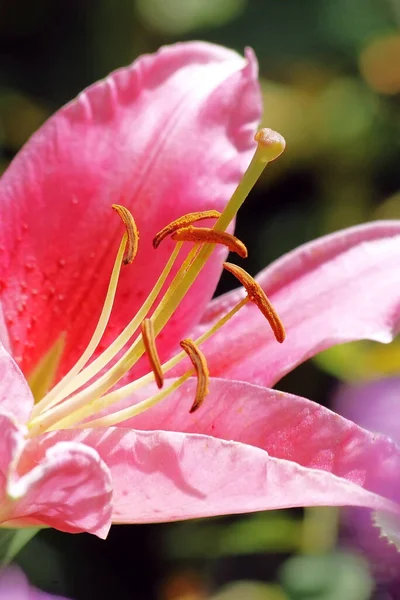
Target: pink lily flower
x,y
15,586
172,134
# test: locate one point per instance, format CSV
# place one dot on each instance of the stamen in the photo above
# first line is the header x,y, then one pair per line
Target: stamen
x,y
184,221
50,398
257,295
131,230
66,409
131,411
98,404
210,236
151,349
200,364
183,280
113,349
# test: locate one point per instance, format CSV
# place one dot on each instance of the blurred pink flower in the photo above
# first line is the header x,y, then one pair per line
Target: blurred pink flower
x,y
170,135
374,405
15,586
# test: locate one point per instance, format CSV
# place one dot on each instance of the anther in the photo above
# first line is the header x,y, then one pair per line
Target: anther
x,y
184,221
200,365
257,295
131,230
271,144
151,350
210,236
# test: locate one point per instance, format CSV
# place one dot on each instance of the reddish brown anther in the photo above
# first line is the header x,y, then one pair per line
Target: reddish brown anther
x,y
151,350
184,221
199,362
131,230
257,295
210,236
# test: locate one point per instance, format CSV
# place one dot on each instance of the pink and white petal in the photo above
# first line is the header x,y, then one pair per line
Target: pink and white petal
x,y
170,134
68,487
11,444
15,396
286,426
339,288
167,476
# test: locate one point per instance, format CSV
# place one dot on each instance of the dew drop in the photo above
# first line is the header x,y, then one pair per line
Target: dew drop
x,y
61,262
21,307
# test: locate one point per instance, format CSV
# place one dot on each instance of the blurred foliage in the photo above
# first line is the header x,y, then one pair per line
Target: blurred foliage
x,y
330,577
330,73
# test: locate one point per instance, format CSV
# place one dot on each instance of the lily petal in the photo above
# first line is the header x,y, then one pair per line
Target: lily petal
x,y
339,288
170,134
15,396
11,441
246,449
67,487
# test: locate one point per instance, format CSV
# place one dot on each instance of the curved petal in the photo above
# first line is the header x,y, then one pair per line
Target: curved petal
x,y
286,426
165,476
15,396
11,442
67,487
339,288
170,134
246,449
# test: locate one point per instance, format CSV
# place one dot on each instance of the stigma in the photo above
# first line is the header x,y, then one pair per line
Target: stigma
x,y
88,395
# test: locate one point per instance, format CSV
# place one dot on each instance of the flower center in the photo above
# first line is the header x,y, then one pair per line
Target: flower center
x,y
86,390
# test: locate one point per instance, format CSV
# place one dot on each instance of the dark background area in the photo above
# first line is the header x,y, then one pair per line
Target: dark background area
x,y
330,73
